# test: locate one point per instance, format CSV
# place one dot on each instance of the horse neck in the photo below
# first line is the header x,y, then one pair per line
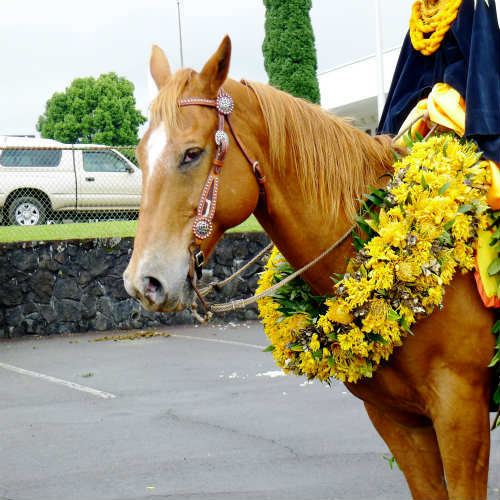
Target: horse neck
x,y
297,224
301,234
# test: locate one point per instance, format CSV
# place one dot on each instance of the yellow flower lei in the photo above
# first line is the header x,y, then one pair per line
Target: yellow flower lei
x,y
435,20
424,232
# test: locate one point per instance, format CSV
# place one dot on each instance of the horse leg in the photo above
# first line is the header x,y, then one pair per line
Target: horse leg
x,y
417,453
462,429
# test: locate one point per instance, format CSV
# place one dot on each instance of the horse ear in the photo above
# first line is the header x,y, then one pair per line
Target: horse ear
x,y
160,69
217,67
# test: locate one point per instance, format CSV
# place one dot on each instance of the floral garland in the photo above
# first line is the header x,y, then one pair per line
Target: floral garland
x,y
419,231
435,20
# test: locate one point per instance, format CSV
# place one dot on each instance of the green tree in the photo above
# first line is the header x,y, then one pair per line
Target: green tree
x,y
289,51
98,111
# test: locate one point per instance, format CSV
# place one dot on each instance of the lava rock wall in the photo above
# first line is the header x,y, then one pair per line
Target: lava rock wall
x,y
75,286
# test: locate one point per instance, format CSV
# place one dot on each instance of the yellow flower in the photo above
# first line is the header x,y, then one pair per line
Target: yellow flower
x,y
338,312
382,275
421,243
406,271
314,344
379,308
358,291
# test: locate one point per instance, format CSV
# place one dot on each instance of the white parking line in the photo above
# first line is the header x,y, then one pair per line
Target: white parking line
x,y
59,381
232,342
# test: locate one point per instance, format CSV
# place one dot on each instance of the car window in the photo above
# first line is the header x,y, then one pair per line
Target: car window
x,y
103,161
30,157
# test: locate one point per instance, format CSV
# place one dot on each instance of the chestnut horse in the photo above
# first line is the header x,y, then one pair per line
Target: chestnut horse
x,y
429,402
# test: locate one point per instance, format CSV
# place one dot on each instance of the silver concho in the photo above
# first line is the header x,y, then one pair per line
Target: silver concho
x,y
202,228
220,137
224,104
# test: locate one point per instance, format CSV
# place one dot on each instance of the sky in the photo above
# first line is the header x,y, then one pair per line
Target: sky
x,y
45,45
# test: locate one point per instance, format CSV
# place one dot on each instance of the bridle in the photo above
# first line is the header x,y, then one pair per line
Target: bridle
x,y
203,222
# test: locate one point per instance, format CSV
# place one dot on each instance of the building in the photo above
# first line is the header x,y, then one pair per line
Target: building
x,y
350,90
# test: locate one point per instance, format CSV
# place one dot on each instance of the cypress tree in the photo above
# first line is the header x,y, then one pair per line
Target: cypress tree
x,y
289,51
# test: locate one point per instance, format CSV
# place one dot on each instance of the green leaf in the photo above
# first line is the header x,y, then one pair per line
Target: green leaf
x,y
495,360
363,225
449,224
358,242
465,208
336,277
392,315
331,361
379,193
444,187
391,461
317,354
494,267
424,182
376,337
496,327
405,326
496,398
269,348
446,238
419,137
372,215
445,147
363,272
408,141
297,348
375,200
479,206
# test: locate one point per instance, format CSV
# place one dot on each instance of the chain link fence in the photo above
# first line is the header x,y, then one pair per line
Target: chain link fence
x,y
43,182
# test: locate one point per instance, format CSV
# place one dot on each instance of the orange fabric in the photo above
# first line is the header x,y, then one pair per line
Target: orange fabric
x,y
487,301
487,285
444,106
447,108
493,195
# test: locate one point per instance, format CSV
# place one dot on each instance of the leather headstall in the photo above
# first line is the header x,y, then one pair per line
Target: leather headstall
x,y
203,222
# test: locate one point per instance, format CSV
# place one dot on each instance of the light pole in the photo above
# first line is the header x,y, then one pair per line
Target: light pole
x,y
180,31
379,57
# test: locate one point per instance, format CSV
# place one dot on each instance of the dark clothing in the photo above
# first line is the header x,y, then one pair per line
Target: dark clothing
x,y
468,60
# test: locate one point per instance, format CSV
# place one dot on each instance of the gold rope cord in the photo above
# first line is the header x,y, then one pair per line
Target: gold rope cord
x,y
434,18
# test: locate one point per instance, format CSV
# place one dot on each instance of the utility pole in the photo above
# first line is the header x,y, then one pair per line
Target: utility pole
x,y
180,31
379,57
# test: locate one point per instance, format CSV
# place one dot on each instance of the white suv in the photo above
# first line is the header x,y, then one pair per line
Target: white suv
x,y
41,179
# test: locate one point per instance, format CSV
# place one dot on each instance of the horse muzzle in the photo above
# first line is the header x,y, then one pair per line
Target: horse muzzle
x,y
158,290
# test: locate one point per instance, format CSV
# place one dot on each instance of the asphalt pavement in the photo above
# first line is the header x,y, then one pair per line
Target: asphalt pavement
x,y
201,414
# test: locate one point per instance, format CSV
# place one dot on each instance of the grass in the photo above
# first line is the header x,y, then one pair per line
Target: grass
x,y
85,230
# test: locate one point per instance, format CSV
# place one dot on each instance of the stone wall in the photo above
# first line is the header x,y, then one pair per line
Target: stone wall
x,y
76,286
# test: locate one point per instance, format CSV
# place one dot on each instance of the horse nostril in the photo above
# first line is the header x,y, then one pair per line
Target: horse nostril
x,y
153,286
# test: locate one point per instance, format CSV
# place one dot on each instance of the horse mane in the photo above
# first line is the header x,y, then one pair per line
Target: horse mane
x,y
334,161
164,107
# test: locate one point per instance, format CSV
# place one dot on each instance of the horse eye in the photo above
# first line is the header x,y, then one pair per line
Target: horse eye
x,y
191,155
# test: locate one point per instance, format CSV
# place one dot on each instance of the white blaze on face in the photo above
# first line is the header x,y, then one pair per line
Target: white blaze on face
x,y
157,142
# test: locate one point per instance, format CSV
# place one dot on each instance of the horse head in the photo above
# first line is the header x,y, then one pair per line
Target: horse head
x,y
176,156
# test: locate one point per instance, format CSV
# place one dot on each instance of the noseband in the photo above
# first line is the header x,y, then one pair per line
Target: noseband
x,y
203,222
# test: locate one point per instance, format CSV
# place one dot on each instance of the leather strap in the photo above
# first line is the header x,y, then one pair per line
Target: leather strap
x,y
203,222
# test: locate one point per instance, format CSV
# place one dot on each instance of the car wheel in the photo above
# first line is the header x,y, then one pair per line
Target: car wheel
x,y
27,211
